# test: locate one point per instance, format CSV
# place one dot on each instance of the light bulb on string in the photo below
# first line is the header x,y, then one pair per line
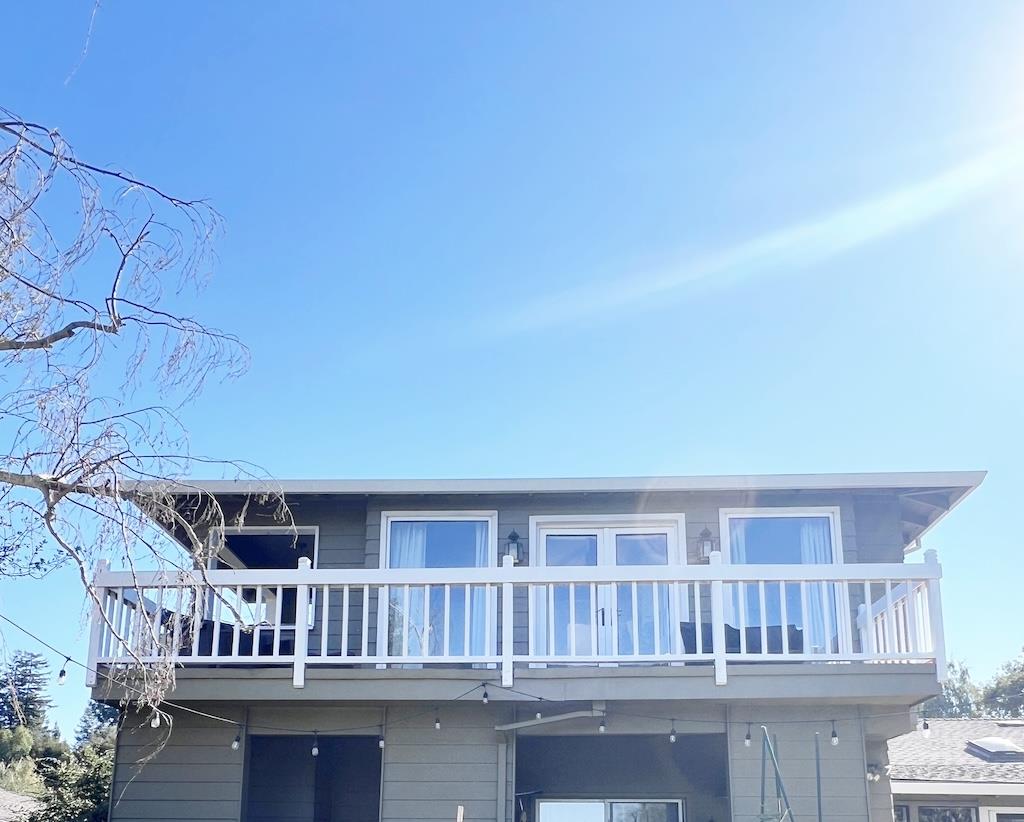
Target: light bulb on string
x,y
602,727
380,743
672,733
62,677
926,731
236,743
486,697
437,722
154,721
747,741
315,750
835,737
538,715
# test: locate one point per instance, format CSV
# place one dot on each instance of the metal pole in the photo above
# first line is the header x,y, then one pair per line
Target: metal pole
x,y
817,769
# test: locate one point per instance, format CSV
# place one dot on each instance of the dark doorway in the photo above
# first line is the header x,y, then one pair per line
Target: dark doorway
x,y
286,782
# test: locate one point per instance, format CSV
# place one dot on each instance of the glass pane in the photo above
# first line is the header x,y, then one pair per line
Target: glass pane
x,y
438,544
645,812
569,549
780,540
641,549
901,813
570,812
961,814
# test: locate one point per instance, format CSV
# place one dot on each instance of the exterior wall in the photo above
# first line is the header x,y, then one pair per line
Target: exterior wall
x,y
187,771
843,767
428,773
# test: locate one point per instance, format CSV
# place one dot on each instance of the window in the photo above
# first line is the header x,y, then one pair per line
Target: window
x,y
419,616
901,813
950,814
782,536
614,810
439,540
787,536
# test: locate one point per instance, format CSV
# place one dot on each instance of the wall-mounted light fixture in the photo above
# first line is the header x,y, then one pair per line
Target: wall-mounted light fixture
x,y
706,543
513,547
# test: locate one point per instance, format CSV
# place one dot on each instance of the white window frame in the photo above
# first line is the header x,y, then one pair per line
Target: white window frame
x,y
626,523
678,802
294,530
830,511
388,517
989,813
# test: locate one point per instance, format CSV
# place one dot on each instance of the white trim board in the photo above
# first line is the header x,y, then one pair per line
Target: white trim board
x,y
902,789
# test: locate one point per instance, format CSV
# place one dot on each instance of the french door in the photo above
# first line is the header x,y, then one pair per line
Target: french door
x,y
611,620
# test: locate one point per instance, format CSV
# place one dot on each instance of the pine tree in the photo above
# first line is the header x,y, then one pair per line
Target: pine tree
x,y
98,717
23,698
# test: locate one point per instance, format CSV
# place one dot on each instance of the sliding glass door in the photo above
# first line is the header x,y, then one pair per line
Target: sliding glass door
x,y
609,810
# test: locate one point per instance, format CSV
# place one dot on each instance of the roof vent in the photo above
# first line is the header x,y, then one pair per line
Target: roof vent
x,y
996,749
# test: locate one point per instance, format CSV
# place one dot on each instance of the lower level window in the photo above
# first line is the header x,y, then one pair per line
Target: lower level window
x,y
610,810
947,814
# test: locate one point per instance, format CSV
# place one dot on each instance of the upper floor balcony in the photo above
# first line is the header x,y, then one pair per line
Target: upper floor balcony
x,y
510,619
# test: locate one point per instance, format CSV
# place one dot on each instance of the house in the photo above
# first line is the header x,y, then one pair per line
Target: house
x,y
959,770
550,650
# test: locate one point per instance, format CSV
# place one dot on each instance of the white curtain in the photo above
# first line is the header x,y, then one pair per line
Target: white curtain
x,y
480,602
737,556
816,549
408,549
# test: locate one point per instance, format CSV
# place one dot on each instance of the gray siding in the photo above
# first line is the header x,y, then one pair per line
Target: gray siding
x,y
429,773
186,772
843,767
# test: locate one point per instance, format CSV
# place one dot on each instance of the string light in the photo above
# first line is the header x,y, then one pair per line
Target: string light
x,y
486,697
236,743
154,721
672,733
747,741
602,727
835,736
315,750
538,715
62,677
437,721
926,731
380,743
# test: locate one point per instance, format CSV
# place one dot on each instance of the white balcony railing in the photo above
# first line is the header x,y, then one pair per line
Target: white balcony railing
x,y
509,616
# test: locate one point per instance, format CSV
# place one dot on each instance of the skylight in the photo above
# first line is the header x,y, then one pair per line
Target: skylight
x,y
996,749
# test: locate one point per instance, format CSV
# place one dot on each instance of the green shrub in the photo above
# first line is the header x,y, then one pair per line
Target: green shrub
x,y
21,776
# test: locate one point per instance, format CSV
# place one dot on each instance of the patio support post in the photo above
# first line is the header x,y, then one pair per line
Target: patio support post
x,y
718,619
935,615
301,627
507,563
97,623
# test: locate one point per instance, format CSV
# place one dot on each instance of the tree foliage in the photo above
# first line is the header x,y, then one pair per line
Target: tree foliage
x,y
15,743
77,787
959,698
99,350
23,691
1003,695
98,718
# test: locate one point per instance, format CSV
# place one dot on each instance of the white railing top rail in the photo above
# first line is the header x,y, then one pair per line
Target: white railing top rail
x,y
523,575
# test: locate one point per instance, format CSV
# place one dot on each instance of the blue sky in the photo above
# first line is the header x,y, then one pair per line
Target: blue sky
x,y
573,239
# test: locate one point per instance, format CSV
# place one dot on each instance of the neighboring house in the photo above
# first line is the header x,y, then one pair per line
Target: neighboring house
x,y
959,770
550,650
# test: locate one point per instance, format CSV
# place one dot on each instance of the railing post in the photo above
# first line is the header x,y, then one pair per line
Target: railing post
x,y
718,620
507,628
935,615
97,627
862,621
301,627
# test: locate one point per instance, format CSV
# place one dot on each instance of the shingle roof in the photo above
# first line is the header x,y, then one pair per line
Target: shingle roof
x,y
944,756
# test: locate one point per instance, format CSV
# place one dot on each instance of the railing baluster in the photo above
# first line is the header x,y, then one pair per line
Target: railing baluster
x,y
406,622
572,619
890,620
325,621
531,619
279,614
365,641
551,619
783,618
346,601
635,620
764,616
427,627
217,605
593,619
490,634
655,587
698,619
741,614
467,612
447,614
257,632
844,630
236,634
805,619
826,592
